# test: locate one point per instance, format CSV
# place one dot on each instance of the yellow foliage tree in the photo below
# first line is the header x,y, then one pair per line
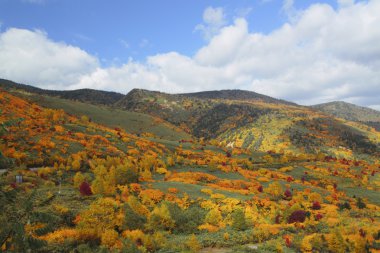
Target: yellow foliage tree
x,y
214,217
160,219
109,238
78,179
76,164
193,244
137,207
101,215
274,190
306,245
336,242
315,197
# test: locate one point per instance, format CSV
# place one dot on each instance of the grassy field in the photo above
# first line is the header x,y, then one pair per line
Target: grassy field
x,y
194,190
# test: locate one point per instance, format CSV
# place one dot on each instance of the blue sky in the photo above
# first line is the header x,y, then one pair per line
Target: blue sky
x,y
308,51
120,29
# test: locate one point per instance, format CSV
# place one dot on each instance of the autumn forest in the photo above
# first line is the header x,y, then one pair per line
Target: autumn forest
x,y
223,171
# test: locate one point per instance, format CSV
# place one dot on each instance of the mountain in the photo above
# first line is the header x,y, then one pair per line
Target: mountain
x,y
351,112
83,95
91,104
233,118
253,121
205,114
235,95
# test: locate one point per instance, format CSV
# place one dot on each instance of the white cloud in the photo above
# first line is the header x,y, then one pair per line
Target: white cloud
x,y
290,10
31,57
325,54
213,20
376,107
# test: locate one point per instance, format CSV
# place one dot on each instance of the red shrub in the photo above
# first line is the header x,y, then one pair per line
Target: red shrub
x,y
297,216
362,233
288,242
288,194
318,217
316,205
85,189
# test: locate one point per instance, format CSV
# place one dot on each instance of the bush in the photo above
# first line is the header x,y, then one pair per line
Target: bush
x,y
344,205
318,217
188,220
288,194
238,220
85,189
316,205
297,216
127,176
360,204
132,220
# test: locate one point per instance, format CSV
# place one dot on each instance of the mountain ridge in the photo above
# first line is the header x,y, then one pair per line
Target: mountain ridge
x,y
112,97
254,124
83,95
352,112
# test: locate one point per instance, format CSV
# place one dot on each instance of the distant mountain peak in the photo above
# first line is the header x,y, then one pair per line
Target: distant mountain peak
x,y
351,112
235,94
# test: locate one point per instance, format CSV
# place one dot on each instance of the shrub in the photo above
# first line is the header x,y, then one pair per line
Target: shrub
x,y
85,189
238,220
316,205
318,216
360,204
344,205
133,220
187,220
193,244
297,216
287,194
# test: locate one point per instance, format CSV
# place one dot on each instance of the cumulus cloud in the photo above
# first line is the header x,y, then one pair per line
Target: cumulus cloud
x,y
213,20
31,57
326,54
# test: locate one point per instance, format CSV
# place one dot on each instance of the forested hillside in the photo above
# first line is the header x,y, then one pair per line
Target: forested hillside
x,y
262,177
351,112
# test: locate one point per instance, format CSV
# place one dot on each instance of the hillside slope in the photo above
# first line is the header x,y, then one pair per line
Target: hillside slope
x,y
232,117
351,112
83,95
97,106
90,188
255,124
235,95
